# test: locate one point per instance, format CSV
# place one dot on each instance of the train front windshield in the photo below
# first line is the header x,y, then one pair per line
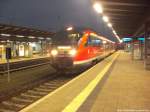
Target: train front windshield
x,y
66,38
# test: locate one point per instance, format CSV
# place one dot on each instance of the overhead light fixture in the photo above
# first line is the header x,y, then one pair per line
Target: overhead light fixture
x,y
69,28
98,7
105,18
33,44
2,41
31,37
48,38
109,25
121,41
41,38
20,36
119,38
114,32
7,35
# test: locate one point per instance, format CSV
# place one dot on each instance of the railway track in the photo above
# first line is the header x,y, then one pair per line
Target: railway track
x,y
23,99
24,64
36,91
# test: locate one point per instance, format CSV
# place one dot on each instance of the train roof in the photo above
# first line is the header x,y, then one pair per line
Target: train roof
x,y
84,30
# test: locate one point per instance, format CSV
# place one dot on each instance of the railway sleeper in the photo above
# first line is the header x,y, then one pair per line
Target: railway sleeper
x,y
50,84
32,92
26,95
6,110
42,90
54,83
22,100
50,87
12,105
46,86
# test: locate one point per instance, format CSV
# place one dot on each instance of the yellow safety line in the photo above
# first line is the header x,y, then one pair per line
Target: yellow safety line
x,y
49,95
78,100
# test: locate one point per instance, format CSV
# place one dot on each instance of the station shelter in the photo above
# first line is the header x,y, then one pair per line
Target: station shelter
x,y
24,42
134,45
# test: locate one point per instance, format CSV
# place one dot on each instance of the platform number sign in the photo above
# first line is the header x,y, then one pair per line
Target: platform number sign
x,y
147,45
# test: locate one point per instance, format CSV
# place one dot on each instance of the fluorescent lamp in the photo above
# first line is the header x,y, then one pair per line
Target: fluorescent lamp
x,y
7,35
109,25
105,18
20,36
98,8
32,37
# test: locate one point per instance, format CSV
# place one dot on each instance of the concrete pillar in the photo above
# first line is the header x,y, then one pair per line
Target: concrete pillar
x,y
147,46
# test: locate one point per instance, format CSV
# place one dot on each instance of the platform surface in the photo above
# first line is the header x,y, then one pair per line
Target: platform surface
x,y
125,87
73,92
3,61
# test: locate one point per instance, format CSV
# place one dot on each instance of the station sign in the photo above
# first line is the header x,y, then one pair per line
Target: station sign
x,y
129,39
141,39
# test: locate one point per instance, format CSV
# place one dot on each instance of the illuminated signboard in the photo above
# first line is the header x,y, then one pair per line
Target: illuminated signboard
x,y
127,39
141,38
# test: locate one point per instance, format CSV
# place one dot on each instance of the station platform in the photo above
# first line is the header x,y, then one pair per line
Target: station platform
x,y
3,61
117,84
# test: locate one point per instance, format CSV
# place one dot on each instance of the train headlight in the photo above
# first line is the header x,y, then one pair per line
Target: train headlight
x,y
54,52
73,52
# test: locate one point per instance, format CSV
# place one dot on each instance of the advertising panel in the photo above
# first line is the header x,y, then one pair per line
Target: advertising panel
x,y
21,50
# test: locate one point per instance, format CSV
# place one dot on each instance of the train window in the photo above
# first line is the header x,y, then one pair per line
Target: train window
x,y
74,36
94,41
65,38
89,41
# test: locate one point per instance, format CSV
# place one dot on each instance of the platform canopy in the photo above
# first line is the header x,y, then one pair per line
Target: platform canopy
x,y
17,33
127,16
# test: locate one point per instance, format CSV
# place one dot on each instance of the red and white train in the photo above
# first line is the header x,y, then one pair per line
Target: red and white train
x,y
79,47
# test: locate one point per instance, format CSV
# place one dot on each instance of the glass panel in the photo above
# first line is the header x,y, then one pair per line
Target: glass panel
x,y
66,38
94,41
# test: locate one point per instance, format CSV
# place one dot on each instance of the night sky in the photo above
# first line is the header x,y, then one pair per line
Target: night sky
x,y
52,15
